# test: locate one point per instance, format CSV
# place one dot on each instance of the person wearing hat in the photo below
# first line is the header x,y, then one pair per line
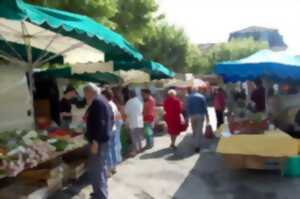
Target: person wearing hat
x,y
65,107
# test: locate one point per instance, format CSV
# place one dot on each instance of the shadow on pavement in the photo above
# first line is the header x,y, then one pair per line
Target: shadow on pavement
x,y
157,154
210,179
185,149
72,189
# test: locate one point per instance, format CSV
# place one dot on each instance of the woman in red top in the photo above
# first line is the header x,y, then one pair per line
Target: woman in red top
x,y
149,116
173,107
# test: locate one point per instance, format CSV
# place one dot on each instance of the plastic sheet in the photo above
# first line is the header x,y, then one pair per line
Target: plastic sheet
x,y
15,99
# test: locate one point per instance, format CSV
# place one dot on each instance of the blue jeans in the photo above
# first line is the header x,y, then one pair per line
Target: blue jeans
x,y
114,156
97,172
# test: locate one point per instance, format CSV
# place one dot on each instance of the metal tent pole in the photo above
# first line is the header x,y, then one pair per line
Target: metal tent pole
x,y
27,42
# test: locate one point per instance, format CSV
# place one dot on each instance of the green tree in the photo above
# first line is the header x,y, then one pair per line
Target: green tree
x,y
136,19
197,61
100,10
169,46
233,50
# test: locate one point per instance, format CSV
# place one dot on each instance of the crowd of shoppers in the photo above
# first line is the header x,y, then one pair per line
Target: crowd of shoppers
x,y
111,109
118,108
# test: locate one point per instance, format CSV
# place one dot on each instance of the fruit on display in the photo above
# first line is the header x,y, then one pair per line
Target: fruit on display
x,y
59,133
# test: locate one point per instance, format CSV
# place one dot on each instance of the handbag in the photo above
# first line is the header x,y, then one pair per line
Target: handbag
x,y
209,134
183,123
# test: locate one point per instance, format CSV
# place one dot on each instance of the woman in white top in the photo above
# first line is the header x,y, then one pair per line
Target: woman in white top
x,y
114,154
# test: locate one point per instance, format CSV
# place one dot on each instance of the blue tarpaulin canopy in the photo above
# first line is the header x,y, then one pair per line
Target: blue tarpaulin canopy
x,y
277,66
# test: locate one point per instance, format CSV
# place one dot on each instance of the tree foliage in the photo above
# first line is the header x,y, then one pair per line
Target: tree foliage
x,y
197,61
136,19
233,50
101,10
169,46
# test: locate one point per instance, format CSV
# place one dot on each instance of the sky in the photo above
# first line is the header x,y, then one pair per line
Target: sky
x,y
210,21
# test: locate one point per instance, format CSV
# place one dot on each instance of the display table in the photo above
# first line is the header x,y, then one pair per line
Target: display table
x,y
47,176
262,151
270,144
77,142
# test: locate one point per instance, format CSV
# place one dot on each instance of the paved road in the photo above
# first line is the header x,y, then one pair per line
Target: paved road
x,y
161,173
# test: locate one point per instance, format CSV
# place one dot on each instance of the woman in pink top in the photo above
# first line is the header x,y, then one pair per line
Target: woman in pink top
x,y
219,105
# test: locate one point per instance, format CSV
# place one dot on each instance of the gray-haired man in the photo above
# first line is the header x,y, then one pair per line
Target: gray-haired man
x,y
99,120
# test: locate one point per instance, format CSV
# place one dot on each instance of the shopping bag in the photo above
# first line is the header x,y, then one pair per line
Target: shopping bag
x,y
148,133
183,123
209,134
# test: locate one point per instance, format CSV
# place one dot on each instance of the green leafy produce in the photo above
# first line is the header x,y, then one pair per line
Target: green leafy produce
x,y
258,117
12,139
60,145
43,137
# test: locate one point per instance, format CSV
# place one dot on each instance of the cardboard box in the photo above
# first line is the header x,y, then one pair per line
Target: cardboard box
x,y
253,162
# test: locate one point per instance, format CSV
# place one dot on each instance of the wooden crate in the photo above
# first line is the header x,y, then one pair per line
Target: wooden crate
x,y
21,190
248,127
34,184
74,170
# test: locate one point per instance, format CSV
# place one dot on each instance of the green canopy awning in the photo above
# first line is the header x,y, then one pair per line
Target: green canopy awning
x,y
71,25
156,70
66,73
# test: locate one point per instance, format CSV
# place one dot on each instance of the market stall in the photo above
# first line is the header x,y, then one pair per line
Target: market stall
x,y
156,72
32,37
78,39
246,124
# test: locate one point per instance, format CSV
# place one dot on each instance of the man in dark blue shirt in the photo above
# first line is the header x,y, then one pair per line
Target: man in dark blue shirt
x,y
99,120
197,111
